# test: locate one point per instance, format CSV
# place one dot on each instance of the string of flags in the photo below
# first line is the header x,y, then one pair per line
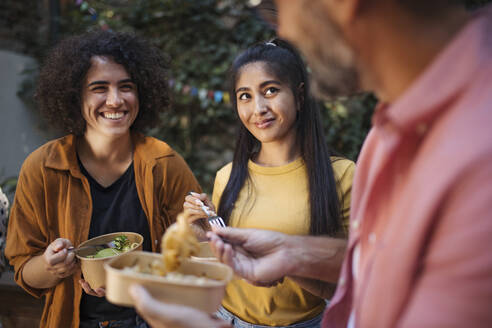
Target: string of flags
x,y
203,94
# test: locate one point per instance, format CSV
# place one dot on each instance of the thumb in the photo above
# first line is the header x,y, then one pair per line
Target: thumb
x,y
209,204
60,244
138,293
143,300
153,309
203,197
234,236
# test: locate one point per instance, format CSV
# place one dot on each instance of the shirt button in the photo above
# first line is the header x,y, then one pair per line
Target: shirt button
x,y
355,224
372,238
341,281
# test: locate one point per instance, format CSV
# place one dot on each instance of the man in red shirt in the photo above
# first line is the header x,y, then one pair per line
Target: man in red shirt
x,y
421,218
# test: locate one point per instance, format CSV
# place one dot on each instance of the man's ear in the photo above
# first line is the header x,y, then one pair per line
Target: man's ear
x,y
343,12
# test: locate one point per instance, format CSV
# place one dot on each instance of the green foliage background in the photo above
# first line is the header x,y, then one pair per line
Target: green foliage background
x,y
201,37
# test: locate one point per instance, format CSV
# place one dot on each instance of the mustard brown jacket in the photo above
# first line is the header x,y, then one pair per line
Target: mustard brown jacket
x,y
53,201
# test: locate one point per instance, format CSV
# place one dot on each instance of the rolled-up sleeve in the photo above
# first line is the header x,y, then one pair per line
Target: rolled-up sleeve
x,y
26,236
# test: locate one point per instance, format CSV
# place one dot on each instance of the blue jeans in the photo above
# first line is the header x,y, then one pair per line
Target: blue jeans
x,y
238,323
136,322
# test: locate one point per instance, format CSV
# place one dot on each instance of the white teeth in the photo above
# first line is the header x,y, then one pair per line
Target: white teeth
x,y
113,116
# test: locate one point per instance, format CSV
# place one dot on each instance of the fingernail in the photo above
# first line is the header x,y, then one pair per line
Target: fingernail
x,y
194,194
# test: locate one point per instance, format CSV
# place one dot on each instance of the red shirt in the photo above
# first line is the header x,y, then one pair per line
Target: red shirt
x,y
422,199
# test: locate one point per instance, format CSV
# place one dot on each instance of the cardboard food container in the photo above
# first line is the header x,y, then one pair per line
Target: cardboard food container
x,y
205,253
93,268
206,297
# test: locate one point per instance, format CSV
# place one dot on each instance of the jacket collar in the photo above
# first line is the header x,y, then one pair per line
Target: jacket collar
x,y
149,149
63,155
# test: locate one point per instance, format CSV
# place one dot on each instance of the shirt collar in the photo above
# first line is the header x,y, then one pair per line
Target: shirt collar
x,y
63,155
150,149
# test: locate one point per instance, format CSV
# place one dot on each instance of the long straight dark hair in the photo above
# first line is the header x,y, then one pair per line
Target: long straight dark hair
x,y
284,62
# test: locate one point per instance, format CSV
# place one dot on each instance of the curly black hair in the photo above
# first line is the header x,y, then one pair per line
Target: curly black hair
x,y
63,74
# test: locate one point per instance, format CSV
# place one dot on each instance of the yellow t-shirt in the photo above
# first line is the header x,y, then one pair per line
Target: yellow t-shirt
x,y
277,199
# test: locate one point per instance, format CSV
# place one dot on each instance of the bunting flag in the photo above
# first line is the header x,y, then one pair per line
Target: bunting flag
x,y
186,89
84,6
227,99
218,96
202,94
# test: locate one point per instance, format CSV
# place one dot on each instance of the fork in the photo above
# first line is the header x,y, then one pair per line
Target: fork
x,y
98,247
213,218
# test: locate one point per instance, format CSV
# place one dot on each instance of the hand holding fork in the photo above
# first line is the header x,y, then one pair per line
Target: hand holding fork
x,y
206,207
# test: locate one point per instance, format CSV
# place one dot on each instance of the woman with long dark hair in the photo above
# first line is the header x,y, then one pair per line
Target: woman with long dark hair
x,y
282,178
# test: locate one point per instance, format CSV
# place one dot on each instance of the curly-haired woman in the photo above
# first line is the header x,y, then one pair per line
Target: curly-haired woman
x,y
102,88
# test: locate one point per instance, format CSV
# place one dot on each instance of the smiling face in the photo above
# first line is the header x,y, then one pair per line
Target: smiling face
x,y
266,106
109,99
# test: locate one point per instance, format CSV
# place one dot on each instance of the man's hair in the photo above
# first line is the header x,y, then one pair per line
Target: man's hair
x,y
61,80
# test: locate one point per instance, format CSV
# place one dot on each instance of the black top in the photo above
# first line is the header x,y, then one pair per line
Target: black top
x,y
115,208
